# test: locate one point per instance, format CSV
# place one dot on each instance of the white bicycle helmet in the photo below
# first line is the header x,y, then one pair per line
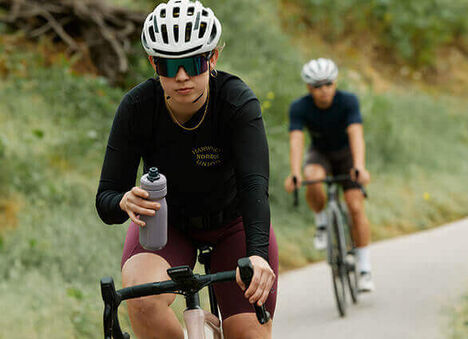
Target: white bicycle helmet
x,y
318,71
180,28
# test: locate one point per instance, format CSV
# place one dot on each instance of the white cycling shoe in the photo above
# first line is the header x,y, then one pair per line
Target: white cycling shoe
x,y
320,238
365,282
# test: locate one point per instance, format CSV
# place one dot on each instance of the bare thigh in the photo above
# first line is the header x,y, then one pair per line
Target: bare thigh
x,y
144,268
315,194
246,326
314,172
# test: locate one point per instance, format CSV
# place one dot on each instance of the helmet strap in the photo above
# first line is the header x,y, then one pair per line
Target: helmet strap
x,y
194,101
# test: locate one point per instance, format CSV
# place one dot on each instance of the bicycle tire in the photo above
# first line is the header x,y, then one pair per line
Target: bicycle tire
x,y
337,261
351,270
352,278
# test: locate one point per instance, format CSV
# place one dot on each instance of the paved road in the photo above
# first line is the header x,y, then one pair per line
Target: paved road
x,y
418,278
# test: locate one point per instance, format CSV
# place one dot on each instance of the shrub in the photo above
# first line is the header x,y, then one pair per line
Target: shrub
x,y
413,30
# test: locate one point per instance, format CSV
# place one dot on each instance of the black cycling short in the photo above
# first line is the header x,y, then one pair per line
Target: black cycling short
x,y
334,162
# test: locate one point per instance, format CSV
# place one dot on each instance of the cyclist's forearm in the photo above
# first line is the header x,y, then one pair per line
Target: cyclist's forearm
x,y
251,156
255,210
119,169
296,149
107,206
357,145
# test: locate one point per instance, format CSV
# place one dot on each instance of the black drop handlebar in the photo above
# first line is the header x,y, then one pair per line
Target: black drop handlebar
x,y
246,273
328,180
183,281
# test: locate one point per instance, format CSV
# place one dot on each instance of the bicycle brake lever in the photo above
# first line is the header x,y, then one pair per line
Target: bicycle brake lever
x,y
111,303
108,295
246,273
361,187
296,191
364,191
356,175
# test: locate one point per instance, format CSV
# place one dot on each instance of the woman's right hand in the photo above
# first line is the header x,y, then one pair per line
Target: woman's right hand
x,y
134,203
289,183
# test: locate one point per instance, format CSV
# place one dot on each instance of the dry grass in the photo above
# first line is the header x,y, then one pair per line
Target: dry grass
x,y
9,209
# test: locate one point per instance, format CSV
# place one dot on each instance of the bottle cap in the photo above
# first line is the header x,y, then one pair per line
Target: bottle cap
x,y
153,174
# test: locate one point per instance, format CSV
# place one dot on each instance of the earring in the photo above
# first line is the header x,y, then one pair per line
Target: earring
x,y
213,73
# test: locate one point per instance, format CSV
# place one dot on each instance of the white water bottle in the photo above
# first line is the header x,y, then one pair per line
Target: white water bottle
x,y
153,236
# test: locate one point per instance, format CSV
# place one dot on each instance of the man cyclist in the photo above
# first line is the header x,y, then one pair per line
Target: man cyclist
x,y
334,122
203,129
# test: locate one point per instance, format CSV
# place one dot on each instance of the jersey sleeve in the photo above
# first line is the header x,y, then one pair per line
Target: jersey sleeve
x,y
353,115
251,163
120,165
296,120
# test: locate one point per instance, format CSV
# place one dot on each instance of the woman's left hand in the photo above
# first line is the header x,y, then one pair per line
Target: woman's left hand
x,y
262,281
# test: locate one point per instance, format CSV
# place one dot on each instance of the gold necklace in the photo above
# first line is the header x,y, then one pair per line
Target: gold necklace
x,y
181,125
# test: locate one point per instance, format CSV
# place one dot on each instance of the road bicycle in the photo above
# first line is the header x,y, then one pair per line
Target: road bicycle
x,y
340,245
185,282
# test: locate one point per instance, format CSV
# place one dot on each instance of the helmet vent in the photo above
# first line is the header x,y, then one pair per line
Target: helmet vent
x,y
213,33
176,33
205,13
190,11
164,34
145,43
152,36
191,50
176,12
155,24
202,30
197,22
188,31
163,13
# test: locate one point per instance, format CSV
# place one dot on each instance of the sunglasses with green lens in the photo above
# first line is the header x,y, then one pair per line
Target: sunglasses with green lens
x,y
193,65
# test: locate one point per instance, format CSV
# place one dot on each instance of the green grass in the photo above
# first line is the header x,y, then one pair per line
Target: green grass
x,y
458,326
54,126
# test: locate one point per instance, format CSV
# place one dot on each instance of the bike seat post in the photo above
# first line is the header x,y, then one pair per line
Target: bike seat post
x,y
204,258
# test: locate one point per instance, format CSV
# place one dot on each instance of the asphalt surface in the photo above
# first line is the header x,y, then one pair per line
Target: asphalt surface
x,y
418,279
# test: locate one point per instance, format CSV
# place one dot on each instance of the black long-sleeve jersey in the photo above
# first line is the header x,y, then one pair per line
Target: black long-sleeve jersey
x,y
223,162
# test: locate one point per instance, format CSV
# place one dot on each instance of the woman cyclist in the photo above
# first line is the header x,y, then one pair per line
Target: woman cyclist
x,y
204,131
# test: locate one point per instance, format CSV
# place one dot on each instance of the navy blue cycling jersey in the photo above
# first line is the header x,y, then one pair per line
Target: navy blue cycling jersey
x,y
327,127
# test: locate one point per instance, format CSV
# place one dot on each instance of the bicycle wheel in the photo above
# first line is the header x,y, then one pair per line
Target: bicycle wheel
x,y
351,276
337,260
351,270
